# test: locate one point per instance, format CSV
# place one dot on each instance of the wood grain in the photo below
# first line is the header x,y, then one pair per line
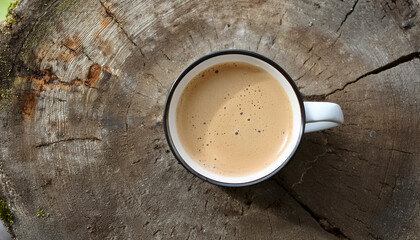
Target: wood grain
x,y
82,136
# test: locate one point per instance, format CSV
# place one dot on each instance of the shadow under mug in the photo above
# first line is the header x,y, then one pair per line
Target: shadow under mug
x,y
307,116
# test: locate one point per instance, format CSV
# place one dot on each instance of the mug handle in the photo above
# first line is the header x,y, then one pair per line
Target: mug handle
x,y
322,115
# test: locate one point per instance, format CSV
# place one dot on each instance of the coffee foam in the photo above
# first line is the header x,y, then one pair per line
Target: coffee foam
x,y
234,119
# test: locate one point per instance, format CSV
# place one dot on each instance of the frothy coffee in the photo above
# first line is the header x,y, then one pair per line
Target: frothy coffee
x,y
234,119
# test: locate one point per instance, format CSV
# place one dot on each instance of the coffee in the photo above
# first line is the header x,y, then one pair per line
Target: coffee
x,y
234,119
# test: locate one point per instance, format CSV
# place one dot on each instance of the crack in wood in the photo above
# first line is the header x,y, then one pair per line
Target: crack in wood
x,y
273,40
281,18
400,151
156,232
390,65
317,74
192,40
167,57
76,52
189,233
356,219
137,161
306,60
141,52
298,78
126,114
343,149
323,222
307,169
311,48
205,205
114,18
347,15
152,76
259,40
46,144
146,96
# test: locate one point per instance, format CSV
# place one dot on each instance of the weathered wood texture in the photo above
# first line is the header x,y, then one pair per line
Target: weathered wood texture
x,y
84,85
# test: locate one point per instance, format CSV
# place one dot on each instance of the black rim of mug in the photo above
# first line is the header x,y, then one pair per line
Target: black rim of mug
x,y
192,66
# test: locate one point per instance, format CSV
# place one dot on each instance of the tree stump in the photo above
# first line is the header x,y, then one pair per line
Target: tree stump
x,y
83,153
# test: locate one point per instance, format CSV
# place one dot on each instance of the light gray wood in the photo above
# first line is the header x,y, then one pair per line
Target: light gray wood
x,y
84,86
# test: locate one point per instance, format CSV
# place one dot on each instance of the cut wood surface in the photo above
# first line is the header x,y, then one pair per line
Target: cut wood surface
x,y
83,153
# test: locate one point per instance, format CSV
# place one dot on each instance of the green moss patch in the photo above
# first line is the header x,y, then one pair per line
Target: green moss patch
x,y
13,5
5,213
11,18
40,213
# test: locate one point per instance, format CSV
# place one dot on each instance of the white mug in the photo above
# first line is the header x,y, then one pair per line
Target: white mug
x,y
307,116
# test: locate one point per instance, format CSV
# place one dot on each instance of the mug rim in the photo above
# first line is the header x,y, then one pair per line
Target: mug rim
x,y
192,66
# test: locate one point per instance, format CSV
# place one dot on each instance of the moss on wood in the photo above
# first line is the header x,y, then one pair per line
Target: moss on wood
x,y
40,213
11,18
5,214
